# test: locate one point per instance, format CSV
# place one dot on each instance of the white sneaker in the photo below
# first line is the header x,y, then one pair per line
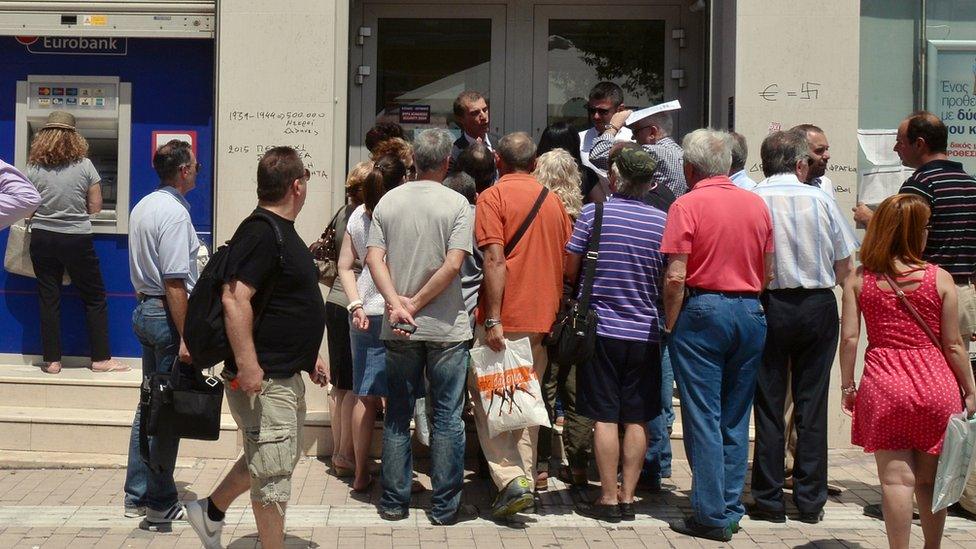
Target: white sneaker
x,y
176,512
207,530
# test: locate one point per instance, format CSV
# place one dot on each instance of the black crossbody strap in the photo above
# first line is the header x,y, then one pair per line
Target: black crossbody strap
x,y
332,223
528,221
589,263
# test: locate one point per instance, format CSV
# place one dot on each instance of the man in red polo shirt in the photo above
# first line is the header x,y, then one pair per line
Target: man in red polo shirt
x,y
719,241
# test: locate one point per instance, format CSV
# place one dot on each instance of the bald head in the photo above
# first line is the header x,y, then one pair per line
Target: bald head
x,y
516,153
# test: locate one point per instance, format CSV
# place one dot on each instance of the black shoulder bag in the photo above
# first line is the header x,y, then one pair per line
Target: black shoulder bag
x,y
572,338
528,221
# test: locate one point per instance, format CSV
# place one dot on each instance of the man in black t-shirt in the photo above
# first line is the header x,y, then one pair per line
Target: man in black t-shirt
x,y
275,319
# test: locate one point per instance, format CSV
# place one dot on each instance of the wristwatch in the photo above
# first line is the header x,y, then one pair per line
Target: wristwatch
x,y
491,323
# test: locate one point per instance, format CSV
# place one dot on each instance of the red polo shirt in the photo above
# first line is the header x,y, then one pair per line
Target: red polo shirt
x,y
725,231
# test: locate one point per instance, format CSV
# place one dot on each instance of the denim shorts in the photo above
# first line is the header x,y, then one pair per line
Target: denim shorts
x,y
368,359
272,425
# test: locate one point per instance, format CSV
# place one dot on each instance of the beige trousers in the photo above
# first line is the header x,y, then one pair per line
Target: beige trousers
x,y
967,325
511,454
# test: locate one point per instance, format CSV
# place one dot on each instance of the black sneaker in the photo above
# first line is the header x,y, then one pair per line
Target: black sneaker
x,y
756,512
690,527
627,511
516,496
606,513
464,513
393,514
811,518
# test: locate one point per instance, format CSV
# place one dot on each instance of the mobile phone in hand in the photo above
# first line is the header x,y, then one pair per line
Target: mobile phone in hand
x,y
405,326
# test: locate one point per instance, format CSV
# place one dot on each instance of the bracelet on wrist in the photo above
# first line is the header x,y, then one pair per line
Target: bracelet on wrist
x,y
357,304
849,389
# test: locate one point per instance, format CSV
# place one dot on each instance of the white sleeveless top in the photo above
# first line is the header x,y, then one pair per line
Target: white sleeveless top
x,y
358,229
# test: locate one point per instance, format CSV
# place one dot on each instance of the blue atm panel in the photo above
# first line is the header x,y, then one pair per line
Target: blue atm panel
x,y
172,91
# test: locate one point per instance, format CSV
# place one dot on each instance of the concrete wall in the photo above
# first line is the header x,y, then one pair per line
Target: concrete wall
x,y
281,80
798,64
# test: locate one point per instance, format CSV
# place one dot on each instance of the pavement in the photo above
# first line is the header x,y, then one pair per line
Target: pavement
x,y
81,507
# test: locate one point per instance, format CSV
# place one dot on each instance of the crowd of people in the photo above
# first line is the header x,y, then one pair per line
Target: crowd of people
x,y
700,278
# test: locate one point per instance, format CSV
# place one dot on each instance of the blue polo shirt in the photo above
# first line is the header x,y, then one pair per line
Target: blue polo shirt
x,y
629,270
162,242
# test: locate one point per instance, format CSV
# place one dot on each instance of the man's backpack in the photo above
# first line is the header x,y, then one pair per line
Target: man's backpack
x,y
204,331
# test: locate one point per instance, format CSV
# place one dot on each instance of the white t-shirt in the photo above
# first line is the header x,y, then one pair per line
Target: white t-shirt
x,y
357,227
587,138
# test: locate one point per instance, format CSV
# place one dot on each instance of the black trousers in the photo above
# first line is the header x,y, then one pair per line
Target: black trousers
x,y
52,253
803,332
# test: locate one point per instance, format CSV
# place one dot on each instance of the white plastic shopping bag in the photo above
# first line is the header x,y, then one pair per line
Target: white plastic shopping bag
x,y
509,389
956,461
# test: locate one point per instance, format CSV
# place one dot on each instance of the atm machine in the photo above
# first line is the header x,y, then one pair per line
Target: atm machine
x,y
102,109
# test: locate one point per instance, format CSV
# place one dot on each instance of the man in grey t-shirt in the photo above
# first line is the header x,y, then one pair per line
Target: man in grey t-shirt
x,y
420,236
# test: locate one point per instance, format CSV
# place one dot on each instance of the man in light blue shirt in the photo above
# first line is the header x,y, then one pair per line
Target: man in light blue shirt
x,y
163,268
814,245
737,173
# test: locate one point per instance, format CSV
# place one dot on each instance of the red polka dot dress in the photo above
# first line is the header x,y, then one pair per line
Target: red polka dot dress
x,y
908,390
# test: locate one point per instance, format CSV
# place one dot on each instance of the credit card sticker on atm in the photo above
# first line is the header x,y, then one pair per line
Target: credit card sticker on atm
x,y
71,91
85,101
57,101
57,91
71,101
43,91
99,101
43,101
84,92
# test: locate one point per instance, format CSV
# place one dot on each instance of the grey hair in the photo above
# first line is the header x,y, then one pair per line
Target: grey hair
x,y
781,151
629,187
663,121
431,148
740,151
708,151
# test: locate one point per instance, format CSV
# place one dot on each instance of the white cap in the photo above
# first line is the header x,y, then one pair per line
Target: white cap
x,y
637,116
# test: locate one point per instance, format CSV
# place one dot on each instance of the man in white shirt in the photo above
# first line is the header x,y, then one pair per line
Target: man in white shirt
x,y
820,155
606,99
740,152
814,244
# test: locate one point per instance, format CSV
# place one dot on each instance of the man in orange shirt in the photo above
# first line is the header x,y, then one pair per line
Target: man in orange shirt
x,y
519,298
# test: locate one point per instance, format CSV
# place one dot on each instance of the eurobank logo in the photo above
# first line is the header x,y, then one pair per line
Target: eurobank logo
x,y
75,45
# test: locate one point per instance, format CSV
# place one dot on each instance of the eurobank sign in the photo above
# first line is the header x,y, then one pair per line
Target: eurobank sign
x,y
74,45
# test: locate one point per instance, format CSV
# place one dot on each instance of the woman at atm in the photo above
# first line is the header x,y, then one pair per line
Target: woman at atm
x,y
61,237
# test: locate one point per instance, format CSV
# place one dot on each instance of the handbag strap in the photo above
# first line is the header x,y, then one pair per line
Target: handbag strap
x,y
592,253
528,221
912,311
332,223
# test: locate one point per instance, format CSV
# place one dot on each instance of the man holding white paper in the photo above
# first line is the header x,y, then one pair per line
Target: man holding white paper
x,y
652,128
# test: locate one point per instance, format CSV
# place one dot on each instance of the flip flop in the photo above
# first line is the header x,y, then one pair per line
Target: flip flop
x,y
122,368
369,484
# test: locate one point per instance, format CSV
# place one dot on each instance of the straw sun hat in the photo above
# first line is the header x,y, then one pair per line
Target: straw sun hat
x,y
60,119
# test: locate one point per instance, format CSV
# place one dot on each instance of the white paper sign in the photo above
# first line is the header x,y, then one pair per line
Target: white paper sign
x,y
644,113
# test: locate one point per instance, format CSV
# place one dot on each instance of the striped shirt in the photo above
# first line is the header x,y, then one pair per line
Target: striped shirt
x,y
951,193
630,268
809,233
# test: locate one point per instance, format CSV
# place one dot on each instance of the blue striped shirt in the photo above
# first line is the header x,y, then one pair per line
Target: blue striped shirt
x,y
630,268
809,233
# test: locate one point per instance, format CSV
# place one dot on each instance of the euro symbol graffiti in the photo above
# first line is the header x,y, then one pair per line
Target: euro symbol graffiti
x,y
770,92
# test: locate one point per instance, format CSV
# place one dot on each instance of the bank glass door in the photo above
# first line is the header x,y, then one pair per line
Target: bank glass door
x,y
575,50
420,57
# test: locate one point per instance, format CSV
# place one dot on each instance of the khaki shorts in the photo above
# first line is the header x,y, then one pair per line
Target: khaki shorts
x,y
967,311
272,425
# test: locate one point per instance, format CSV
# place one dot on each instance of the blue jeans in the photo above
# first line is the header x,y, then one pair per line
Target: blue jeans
x,y
716,348
657,460
446,367
160,347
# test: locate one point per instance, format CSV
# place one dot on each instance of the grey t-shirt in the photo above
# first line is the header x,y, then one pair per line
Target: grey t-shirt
x,y
64,196
417,223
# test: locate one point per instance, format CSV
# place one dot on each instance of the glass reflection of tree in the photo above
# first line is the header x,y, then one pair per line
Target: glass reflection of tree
x,y
613,54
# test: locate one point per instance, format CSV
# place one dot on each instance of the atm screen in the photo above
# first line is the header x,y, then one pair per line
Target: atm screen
x,y
103,153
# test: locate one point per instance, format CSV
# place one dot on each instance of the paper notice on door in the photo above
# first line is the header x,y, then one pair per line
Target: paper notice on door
x,y
878,146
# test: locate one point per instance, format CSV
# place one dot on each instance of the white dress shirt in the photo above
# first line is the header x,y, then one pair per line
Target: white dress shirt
x,y
809,233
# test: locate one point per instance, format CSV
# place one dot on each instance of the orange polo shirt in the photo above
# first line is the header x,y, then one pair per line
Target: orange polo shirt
x,y
534,279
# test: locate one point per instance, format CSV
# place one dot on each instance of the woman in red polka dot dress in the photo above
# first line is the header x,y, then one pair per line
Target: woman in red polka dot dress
x,y
908,389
